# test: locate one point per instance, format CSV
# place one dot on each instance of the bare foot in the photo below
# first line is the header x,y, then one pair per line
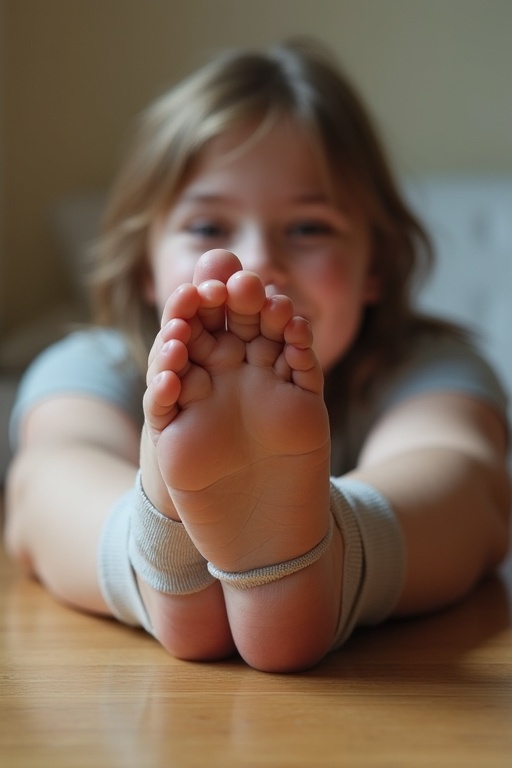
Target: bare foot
x,y
235,409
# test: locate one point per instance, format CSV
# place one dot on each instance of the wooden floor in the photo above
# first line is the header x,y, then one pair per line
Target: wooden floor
x,y
78,691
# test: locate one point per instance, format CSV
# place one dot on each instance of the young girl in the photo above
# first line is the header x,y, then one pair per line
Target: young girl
x,y
220,496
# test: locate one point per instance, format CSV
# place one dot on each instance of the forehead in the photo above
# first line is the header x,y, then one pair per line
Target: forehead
x,y
281,153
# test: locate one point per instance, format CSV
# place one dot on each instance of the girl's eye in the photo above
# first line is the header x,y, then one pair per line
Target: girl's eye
x,y
206,229
310,229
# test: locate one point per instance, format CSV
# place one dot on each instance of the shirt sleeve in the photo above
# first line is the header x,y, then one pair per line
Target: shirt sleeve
x,y
91,362
450,365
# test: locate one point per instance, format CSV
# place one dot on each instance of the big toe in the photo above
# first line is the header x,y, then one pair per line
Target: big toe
x,y
217,264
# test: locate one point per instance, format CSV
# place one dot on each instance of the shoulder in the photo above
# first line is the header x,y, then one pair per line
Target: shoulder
x,y
94,362
436,362
443,362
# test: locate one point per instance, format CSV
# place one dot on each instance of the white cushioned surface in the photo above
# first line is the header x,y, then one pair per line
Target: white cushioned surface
x,y
470,220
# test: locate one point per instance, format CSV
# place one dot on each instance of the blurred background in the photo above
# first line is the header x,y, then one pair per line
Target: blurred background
x,y
75,73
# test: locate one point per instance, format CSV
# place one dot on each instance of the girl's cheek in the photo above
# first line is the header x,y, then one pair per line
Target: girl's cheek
x,y
324,275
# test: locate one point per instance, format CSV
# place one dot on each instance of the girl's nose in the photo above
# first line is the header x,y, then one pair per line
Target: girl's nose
x,y
262,255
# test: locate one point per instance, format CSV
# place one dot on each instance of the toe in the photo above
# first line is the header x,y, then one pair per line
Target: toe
x,y
182,303
299,355
172,356
217,264
275,316
246,299
212,310
160,402
298,332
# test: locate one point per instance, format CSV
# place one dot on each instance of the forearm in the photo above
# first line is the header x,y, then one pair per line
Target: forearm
x,y
58,497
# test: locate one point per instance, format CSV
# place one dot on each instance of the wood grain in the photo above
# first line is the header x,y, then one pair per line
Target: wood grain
x,y
77,691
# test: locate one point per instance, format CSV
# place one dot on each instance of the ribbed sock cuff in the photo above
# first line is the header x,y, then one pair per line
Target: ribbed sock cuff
x,y
374,555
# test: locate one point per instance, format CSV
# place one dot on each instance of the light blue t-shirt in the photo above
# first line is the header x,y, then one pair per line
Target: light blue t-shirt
x,y
445,363
97,363
92,362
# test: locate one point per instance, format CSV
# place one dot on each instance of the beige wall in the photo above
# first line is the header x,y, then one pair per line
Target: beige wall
x,y
436,72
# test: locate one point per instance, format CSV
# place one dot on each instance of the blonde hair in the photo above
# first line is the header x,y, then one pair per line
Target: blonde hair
x,y
299,81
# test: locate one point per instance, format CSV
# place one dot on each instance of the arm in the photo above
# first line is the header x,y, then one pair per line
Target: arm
x,y
441,462
77,456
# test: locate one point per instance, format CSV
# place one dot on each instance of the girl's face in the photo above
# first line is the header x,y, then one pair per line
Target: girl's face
x,y
269,205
